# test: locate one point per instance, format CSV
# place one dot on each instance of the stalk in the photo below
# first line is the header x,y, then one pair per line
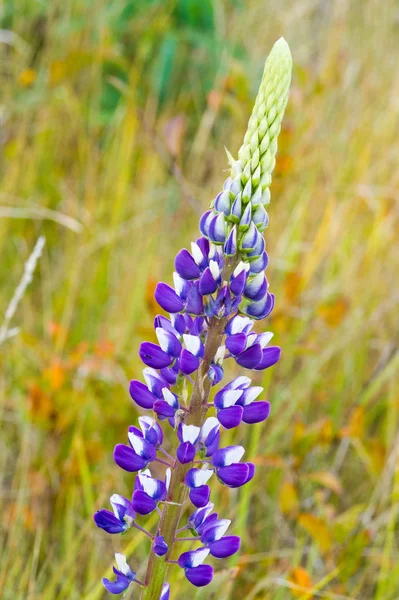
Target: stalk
x,y
177,494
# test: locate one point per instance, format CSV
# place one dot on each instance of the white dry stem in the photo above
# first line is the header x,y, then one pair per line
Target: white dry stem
x,y
29,268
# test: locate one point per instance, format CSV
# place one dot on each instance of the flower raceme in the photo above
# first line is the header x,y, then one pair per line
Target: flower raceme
x,y
219,290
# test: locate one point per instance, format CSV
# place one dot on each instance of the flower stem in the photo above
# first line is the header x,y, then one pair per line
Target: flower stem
x,y
177,493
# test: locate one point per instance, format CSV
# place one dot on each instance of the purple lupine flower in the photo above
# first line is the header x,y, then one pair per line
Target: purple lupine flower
x,y
147,493
160,547
124,576
197,573
218,291
118,521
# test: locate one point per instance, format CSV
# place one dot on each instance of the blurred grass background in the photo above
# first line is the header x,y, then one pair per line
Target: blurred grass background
x,y
113,117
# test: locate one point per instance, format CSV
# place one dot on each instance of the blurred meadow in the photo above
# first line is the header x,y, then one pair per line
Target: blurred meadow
x,y
113,119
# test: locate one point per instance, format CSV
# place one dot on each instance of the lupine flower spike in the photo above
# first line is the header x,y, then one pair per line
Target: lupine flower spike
x,y
219,290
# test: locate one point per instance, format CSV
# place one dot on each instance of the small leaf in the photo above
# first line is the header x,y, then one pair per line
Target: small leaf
x,y
288,498
317,529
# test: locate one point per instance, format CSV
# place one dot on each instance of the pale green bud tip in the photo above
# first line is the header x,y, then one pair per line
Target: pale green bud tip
x,y
257,154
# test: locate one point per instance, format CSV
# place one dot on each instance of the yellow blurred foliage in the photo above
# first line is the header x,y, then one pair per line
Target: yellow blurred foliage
x,y
288,499
301,578
27,77
317,529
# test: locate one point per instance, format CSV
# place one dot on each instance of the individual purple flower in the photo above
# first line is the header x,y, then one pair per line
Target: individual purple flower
x,y
124,576
197,573
188,437
209,437
196,480
220,546
160,547
148,492
229,470
136,456
118,521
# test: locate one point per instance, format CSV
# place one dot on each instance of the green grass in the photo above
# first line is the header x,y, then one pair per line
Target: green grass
x,y
113,126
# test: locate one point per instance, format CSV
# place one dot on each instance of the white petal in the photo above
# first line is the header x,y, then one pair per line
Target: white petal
x,y
146,422
242,266
202,476
121,563
196,252
199,556
240,381
264,338
219,356
190,433
163,338
137,443
192,343
179,283
251,394
149,484
214,268
233,455
168,475
239,323
230,397
221,528
207,427
168,397
250,340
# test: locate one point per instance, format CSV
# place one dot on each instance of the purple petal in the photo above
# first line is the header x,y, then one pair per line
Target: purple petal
x,y
179,323
165,594
230,247
251,472
234,475
259,264
256,412
200,496
205,222
227,456
106,520
246,218
215,374
223,202
168,342
143,503
160,547
185,453
200,576
217,229
188,362
153,356
186,266
260,310
230,417
207,284
226,546
118,586
164,409
170,373
237,284
236,343
194,301
251,357
168,299
141,394
256,287
126,458
269,358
